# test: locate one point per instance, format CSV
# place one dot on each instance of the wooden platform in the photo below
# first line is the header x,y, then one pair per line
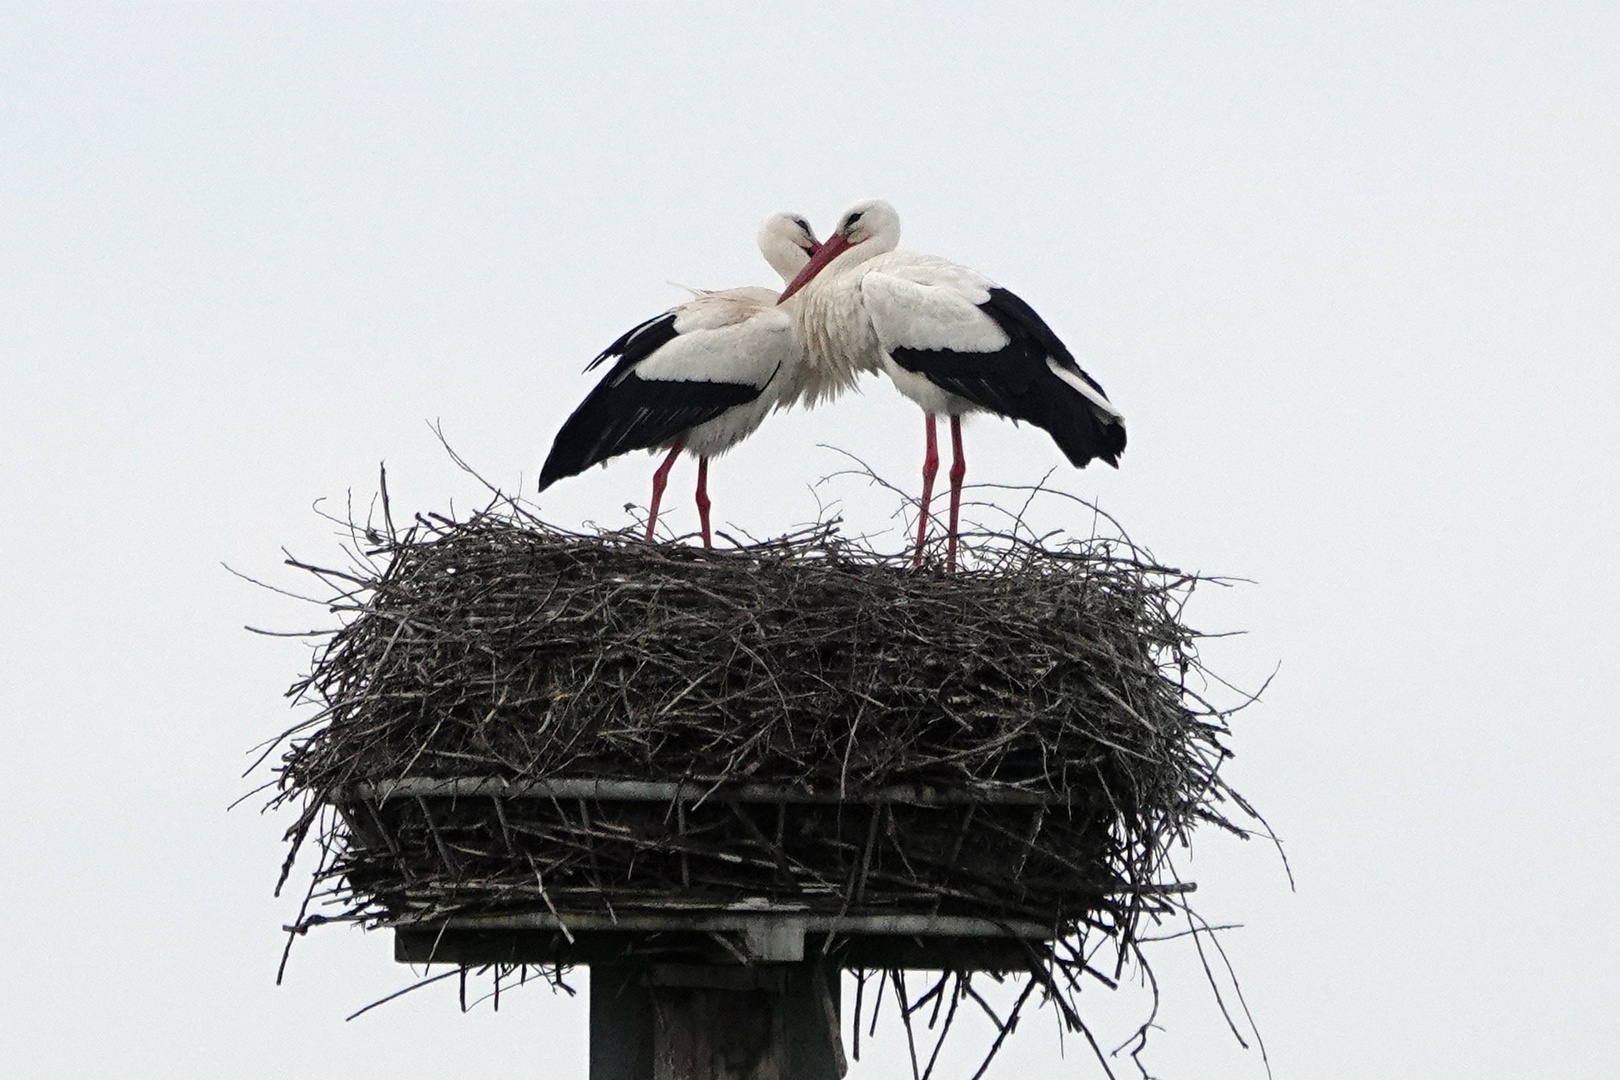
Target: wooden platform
x,y
730,968
746,937
747,993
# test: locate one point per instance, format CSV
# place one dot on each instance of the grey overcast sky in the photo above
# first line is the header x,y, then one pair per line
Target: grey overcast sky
x,y
1352,271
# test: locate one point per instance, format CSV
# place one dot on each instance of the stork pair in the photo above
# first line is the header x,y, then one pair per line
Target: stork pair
x,y
702,376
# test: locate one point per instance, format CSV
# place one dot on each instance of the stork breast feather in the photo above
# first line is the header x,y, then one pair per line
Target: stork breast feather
x,y
911,314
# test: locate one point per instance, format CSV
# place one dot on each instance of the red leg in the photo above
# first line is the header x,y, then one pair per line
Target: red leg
x,y
958,471
703,498
930,468
660,478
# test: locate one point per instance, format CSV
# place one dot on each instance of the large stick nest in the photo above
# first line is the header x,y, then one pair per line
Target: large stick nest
x,y
1058,683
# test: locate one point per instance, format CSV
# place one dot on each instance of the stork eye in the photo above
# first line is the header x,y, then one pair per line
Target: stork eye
x,y
850,221
801,223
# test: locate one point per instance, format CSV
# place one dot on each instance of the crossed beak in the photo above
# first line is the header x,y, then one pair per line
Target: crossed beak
x,y
836,244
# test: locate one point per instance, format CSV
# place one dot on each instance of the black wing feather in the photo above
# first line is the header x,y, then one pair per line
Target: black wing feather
x,y
639,342
1018,383
626,412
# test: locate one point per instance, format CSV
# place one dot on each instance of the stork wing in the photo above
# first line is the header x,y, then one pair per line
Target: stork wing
x,y
639,342
672,373
974,339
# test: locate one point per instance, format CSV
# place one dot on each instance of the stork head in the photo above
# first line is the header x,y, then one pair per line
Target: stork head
x,y
787,243
867,229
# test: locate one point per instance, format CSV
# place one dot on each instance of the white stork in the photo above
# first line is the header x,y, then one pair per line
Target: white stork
x,y
952,340
699,377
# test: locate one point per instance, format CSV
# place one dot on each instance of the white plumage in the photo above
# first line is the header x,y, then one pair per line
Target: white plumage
x,y
949,338
700,377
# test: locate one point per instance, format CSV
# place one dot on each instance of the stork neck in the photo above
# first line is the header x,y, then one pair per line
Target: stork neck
x,y
839,339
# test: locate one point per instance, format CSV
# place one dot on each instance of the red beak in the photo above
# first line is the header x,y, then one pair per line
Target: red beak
x,y
836,244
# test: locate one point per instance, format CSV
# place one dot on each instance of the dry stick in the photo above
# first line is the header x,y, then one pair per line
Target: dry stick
x,y
540,884
1140,1035
433,830
286,949
506,829
1029,841
983,1004
898,976
1097,1050
950,1017
295,837
860,989
1038,973
1036,963
899,845
877,1004
388,513
1236,987
402,993
938,994
866,855
736,954
784,872
1006,1029
499,971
